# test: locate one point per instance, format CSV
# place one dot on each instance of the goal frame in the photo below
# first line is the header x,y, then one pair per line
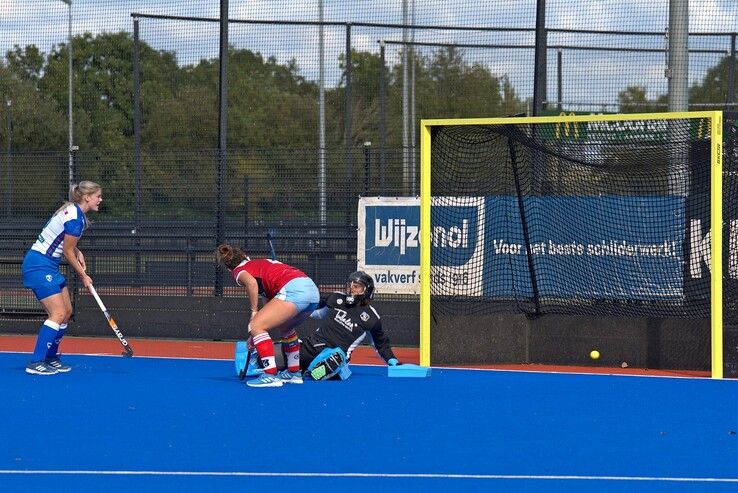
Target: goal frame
x,y
716,210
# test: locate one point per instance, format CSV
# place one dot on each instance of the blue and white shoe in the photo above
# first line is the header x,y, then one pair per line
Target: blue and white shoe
x,y
41,368
265,380
290,377
57,364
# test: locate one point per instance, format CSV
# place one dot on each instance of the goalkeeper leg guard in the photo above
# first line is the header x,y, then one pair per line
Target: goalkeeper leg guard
x,y
241,357
328,363
253,364
247,361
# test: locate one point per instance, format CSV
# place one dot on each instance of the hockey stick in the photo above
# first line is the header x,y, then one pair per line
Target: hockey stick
x,y
271,246
128,350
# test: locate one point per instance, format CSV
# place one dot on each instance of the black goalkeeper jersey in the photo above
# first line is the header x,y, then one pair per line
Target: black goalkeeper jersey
x,y
346,327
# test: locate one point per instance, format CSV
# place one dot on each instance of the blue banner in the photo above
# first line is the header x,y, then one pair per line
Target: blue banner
x,y
606,247
392,234
612,247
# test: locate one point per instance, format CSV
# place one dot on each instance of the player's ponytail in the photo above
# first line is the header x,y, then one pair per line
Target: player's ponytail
x,y
229,256
74,193
77,193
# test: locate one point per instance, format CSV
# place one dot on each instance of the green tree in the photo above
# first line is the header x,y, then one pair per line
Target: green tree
x,y
36,125
268,105
103,89
37,122
713,90
365,69
27,63
633,100
365,110
453,88
714,87
103,85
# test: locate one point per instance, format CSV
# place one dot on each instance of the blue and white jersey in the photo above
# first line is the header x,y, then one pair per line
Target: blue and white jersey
x,y
68,221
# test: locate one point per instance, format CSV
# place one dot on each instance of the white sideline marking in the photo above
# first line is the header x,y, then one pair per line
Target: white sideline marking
x,y
374,475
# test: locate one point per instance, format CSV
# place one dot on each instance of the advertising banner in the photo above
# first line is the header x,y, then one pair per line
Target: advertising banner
x,y
584,247
587,247
389,248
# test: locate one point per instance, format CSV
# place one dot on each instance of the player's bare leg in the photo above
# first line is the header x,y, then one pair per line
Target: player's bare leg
x,y
274,314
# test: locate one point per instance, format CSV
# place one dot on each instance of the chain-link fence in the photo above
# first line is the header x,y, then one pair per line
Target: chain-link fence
x,y
157,223
323,101
325,74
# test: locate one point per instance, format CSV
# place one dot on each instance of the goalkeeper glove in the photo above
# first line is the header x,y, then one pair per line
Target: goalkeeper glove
x,y
393,362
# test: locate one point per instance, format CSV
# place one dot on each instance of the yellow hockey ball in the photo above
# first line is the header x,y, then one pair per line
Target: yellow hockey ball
x,y
594,354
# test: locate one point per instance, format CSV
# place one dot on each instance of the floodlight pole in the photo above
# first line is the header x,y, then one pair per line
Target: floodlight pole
x,y
677,74
9,164
69,84
677,70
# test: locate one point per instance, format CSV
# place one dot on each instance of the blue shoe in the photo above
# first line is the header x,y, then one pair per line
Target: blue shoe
x,y
41,368
57,364
290,377
265,380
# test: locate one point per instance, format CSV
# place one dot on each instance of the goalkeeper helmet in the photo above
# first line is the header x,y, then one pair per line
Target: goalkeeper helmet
x,y
365,280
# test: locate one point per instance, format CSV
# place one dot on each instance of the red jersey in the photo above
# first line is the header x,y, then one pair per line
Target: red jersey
x,y
270,275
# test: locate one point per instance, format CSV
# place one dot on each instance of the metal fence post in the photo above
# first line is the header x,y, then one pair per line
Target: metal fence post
x,y
382,114
222,139
730,99
347,127
74,167
367,164
137,146
539,75
538,177
559,80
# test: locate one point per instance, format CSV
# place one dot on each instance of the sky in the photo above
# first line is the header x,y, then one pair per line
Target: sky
x,y
593,76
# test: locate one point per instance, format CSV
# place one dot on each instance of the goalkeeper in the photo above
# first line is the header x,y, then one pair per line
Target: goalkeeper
x,y
346,320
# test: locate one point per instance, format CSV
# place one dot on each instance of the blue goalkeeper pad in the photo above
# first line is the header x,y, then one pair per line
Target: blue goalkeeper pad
x,y
242,354
408,370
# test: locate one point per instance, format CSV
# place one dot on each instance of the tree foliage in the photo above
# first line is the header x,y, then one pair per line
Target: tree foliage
x,y
272,107
711,92
633,99
269,104
714,88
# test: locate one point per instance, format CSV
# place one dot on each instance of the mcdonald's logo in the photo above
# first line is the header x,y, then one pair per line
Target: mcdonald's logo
x,y
566,128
